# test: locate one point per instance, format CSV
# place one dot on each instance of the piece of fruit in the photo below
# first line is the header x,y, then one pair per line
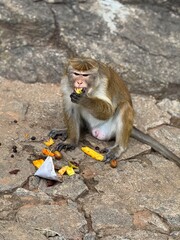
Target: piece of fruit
x,y
57,155
49,142
62,170
37,163
89,151
78,90
113,163
70,171
47,152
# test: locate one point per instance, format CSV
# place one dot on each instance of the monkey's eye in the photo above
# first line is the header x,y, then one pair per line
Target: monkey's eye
x,y
75,73
85,75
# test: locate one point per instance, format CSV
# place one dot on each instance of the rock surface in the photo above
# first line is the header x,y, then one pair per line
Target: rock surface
x,y
135,201
37,38
138,200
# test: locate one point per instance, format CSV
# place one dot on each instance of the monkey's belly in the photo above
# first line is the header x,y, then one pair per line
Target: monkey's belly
x,y
102,130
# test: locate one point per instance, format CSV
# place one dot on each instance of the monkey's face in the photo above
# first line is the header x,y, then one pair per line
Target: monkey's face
x,y
81,80
82,77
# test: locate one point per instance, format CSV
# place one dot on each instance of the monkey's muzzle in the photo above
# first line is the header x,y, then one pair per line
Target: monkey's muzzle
x,y
78,90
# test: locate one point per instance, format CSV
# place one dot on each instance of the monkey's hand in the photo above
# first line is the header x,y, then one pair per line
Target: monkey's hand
x,y
76,97
65,146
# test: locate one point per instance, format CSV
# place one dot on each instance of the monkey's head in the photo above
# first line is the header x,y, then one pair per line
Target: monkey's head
x,y
82,73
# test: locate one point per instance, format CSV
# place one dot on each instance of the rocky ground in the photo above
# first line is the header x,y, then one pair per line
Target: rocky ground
x,y
140,39
138,200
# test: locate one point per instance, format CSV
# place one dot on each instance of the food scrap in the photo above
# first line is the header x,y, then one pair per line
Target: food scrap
x,y
46,168
57,155
69,169
47,152
78,90
89,151
62,170
113,163
37,163
49,142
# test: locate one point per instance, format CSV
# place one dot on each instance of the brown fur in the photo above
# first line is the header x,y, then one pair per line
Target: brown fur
x,y
107,98
105,107
84,65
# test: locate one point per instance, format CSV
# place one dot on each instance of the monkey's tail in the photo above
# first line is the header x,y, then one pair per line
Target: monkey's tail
x,y
145,138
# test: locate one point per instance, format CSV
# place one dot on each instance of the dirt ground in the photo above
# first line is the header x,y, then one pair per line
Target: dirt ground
x,y
138,200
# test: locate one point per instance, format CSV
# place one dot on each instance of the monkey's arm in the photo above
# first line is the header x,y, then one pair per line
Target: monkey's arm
x,y
145,138
99,108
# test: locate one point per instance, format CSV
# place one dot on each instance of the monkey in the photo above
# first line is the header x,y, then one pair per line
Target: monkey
x,y
104,107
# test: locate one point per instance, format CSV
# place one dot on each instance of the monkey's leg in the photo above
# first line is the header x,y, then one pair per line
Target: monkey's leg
x,y
72,120
55,133
124,127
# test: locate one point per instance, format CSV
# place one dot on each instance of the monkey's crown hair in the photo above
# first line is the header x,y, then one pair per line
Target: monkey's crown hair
x,y
83,64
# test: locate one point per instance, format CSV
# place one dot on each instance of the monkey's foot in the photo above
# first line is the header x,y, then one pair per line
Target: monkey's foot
x,y
55,133
65,146
112,153
104,150
109,156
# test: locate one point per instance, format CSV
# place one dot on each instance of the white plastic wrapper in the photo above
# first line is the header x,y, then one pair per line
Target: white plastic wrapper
x,y
47,170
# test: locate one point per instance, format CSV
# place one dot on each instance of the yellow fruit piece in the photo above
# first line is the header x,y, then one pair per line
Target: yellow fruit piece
x,y
62,170
66,169
78,90
49,142
70,171
37,163
89,151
